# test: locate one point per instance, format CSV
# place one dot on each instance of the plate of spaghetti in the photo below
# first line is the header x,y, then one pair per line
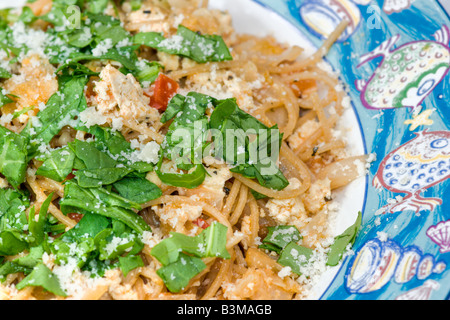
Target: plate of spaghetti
x,y
223,150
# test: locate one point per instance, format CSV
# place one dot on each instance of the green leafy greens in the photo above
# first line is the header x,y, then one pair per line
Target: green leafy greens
x,y
187,43
284,241
181,255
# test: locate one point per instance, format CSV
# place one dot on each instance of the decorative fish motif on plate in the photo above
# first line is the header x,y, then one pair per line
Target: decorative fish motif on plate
x,y
407,74
414,167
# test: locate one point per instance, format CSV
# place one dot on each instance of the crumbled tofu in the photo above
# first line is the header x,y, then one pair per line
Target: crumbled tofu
x,y
222,84
315,198
175,216
116,90
149,18
288,212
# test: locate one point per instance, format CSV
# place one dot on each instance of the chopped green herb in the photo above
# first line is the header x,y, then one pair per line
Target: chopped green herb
x,y
178,267
41,276
295,257
187,43
279,237
342,241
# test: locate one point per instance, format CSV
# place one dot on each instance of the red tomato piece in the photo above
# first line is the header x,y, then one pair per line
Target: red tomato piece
x,y
164,90
201,223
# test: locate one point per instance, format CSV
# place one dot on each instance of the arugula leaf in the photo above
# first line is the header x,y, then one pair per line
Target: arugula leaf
x,y
137,189
61,110
12,242
178,274
147,72
100,169
135,4
97,6
282,239
279,237
211,242
188,115
114,248
41,276
102,202
187,43
32,259
27,16
4,74
57,165
250,147
179,267
100,243
36,228
129,263
12,209
341,242
189,125
10,267
114,144
60,12
13,156
4,98
90,225
295,257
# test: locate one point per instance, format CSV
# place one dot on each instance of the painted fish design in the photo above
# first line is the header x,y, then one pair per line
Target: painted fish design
x,y
414,167
406,75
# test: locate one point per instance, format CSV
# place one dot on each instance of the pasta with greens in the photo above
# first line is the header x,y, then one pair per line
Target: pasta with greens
x,y
128,135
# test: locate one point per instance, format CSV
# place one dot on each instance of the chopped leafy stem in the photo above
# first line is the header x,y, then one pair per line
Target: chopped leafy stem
x,y
187,43
278,237
342,241
101,201
4,98
179,267
186,113
57,164
283,240
228,116
43,277
137,189
295,257
61,110
99,168
13,156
